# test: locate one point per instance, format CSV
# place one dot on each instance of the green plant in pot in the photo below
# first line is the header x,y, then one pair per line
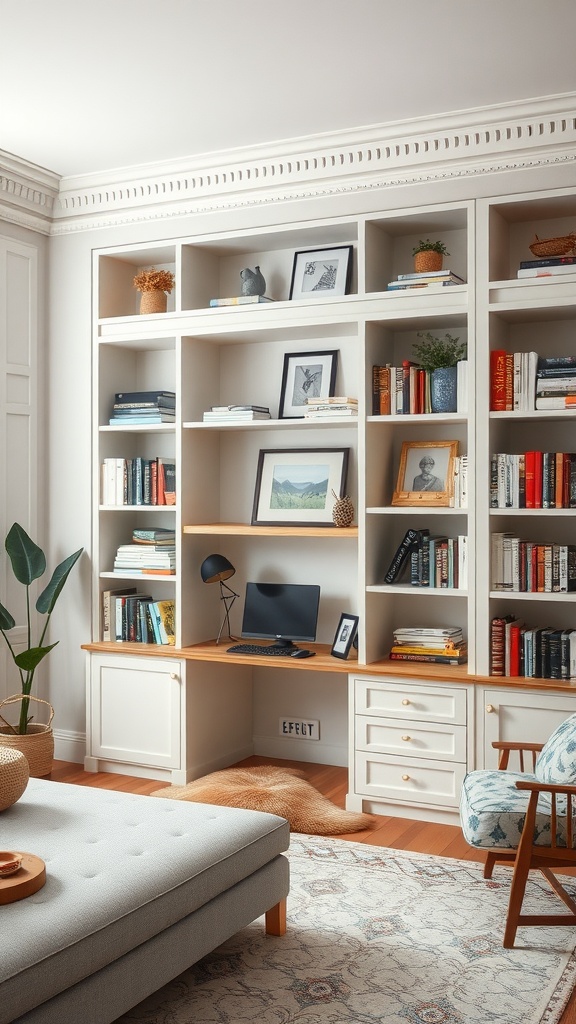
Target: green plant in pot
x,y
439,357
28,563
429,256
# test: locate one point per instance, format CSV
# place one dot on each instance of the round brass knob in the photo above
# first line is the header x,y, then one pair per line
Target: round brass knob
x,y
406,739
405,701
490,709
173,675
406,778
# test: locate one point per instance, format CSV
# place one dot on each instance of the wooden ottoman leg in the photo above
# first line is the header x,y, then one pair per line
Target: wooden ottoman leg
x,y
276,919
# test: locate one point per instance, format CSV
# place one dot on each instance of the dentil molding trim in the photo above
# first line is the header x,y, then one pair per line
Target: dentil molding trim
x,y
530,133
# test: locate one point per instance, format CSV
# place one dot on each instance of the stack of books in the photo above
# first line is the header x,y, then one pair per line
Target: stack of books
x,y
556,382
134,408
236,413
553,266
240,300
154,535
317,408
438,562
148,558
444,646
433,280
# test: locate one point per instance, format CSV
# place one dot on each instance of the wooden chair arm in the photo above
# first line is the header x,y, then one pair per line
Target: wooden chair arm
x,y
545,787
506,747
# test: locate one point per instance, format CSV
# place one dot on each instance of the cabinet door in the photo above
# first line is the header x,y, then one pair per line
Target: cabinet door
x,y
518,715
135,706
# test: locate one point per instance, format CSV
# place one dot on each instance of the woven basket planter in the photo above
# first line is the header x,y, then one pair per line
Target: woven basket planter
x,y
37,744
14,775
427,260
562,245
153,302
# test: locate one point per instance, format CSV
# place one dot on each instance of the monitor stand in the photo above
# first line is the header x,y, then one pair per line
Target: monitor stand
x,y
280,642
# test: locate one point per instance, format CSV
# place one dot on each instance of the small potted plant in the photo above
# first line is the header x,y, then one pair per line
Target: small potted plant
x,y
28,562
439,357
154,284
429,256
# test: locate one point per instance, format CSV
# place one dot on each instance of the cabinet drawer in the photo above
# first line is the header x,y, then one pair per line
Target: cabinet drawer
x,y
411,739
409,780
411,701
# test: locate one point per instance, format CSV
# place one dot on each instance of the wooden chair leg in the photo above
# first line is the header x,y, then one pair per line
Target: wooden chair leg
x,y
520,876
276,919
489,863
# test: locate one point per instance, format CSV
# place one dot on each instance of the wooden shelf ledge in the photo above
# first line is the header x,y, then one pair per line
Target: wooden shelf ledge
x,y
245,530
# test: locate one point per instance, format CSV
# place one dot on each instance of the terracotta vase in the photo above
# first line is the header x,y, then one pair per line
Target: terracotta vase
x,y
153,302
427,260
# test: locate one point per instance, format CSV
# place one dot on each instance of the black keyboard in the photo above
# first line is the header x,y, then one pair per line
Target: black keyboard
x,y
257,649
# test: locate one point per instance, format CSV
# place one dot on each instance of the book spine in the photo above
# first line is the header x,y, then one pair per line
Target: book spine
x,y
498,380
399,559
435,659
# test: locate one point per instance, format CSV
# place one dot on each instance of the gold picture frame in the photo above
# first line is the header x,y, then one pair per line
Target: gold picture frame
x,y
426,474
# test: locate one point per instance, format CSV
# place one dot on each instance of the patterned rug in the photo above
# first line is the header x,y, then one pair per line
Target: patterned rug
x,y
377,936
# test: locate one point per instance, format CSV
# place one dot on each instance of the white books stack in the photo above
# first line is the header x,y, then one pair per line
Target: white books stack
x,y
320,408
428,636
140,559
236,413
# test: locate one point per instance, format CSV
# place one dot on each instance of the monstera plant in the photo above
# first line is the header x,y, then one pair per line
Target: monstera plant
x,y
29,564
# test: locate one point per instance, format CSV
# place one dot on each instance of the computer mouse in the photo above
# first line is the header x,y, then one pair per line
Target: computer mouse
x,y
302,654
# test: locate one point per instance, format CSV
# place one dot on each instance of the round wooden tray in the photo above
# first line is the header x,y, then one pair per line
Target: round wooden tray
x,y
24,882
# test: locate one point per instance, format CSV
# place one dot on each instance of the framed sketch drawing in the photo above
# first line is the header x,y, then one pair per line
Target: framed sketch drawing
x,y
426,474
306,375
344,637
320,272
294,486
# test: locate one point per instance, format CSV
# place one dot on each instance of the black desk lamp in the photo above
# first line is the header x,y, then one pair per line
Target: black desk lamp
x,y
216,569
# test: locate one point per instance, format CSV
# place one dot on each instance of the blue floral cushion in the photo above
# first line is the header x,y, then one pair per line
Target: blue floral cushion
x,y
492,811
557,760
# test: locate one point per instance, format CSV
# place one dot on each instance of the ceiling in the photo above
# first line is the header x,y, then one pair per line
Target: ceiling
x,y
88,87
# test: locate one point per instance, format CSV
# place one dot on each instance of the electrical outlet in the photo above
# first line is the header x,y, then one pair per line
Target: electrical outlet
x,y
300,728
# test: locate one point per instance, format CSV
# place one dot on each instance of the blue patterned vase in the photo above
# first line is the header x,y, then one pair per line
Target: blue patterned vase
x,y
443,389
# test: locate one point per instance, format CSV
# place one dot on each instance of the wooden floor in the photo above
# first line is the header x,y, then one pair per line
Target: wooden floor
x,y
396,833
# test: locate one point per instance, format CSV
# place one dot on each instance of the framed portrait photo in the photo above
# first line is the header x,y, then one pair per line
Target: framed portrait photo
x,y
294,486
318,272
345,634
426,474
306,375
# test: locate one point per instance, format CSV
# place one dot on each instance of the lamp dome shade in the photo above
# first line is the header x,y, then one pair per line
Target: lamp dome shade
x,y
216,568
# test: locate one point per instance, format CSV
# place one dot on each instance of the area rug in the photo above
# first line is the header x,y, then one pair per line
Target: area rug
x,y
282,791
377,936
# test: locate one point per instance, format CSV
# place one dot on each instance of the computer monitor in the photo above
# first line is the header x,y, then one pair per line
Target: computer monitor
x,y
282,612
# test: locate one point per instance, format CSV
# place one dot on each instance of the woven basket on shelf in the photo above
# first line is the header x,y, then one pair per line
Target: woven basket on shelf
x,y
37,744
427,260
153,302
563,245
14,775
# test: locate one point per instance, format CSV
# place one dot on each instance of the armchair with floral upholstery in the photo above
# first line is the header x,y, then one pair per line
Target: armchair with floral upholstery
x,y
527,819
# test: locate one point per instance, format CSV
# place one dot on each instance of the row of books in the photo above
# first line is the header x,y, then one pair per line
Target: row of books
x,y
236,413
406,389
440,646
136,408
535,653
431,280
430,561
136,618
138,481
552,266
338,405
524,381
531,567
533,479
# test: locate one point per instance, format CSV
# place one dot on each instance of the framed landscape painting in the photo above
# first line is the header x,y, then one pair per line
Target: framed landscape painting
x,y
306,375
294,486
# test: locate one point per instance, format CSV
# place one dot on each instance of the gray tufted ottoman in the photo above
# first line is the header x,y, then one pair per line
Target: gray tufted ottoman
x,y
136,891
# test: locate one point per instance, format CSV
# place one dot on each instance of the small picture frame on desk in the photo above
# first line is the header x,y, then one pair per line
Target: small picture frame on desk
x,y
426,474
345,635
321,272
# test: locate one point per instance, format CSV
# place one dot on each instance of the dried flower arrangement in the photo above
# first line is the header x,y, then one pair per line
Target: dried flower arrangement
x,y
152,280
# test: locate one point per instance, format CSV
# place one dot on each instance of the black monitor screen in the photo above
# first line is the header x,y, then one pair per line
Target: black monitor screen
x,y
281,611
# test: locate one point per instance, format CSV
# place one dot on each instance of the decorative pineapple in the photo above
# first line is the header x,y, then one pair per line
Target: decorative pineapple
x,y
343,510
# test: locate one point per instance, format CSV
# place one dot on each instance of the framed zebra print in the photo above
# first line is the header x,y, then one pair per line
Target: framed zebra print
x,y
321,272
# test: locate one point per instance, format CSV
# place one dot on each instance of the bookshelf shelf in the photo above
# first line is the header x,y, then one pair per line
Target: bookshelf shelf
x,y
245,530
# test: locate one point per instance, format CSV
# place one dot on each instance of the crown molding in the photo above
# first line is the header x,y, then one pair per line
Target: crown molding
x,y
504,137
27,193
